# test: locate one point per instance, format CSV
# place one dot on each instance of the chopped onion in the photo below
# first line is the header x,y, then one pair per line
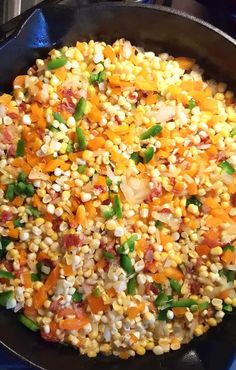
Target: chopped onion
x,y
231,267
83,93
127,50
120,286
35,174
111,175
2,111
18,306
45,269
135,189
165,113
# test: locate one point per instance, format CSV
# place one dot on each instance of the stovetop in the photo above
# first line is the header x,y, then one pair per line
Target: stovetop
x,y
220,13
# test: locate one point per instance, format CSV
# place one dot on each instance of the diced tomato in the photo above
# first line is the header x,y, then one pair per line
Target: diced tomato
x,y
56,222
56,305
99,189
13,116
233,200
11,151
22,107
72,240
154,193
6,216
49,337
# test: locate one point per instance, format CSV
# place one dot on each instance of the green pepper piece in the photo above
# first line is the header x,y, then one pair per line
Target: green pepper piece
x,y
20,149
193,200
227,308
126,264
70,147
228,247
130,243
52,128
5,297
175,285
80,138
185,302
18,223
81,168
10,192
132,286
148,154
159,224
136,157
233,132
162,315
108,182
117,207
107,212
203,306
29,190
229,274
28,323
58,117
20,188
97,78
77,297
152,131
22,177
161,299
182,268
6,274
80,109
56,63
96,292
35,277
4,242
108,255
227,167
191,104
33,211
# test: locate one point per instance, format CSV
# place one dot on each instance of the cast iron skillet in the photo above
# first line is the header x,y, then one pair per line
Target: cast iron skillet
x,y
157,29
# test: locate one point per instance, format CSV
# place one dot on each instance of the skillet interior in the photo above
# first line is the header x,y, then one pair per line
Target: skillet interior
x,y
156,29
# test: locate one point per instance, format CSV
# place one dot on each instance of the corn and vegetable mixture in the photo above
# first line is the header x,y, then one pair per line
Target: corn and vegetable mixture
x,y
118,199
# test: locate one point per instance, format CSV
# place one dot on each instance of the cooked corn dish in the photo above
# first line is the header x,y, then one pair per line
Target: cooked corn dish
x,y
117,199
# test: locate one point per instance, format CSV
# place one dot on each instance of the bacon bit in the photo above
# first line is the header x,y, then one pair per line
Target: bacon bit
x,y
8,265
13,116
6,216
106,202
40,133
233,200
56,222
11,151
148,258
72,240
67,106
154,193
99,189
67,93
56,306
204,139
221,156
166,210
149,287
22,107
172,181
118,120
194,287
